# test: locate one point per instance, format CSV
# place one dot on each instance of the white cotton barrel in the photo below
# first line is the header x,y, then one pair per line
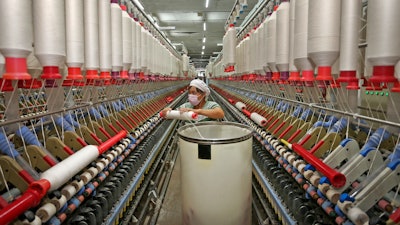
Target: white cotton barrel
x,y
271,42
116,39
185,63
258,119
324,35
301,59
126,42
282,36
214,156
292,19
261,42
75,38
15,44
383,32
231,43
265,48
49,36
138,50
104,37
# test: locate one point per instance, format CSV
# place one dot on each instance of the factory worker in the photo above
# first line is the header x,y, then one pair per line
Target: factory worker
x,y
199,103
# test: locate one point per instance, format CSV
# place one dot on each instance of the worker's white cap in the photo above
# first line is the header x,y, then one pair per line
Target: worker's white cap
x,y
200,85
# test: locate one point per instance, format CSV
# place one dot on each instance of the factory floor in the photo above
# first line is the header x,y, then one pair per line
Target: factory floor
x,y
171,210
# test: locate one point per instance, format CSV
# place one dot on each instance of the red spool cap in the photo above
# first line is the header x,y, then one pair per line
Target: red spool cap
x,y
275,76
30,84
74,73
6,85
324,73
124,75
383,74
353,86
16,69
51,72
294,76
123,7
347,76
105,75
67,83
92,74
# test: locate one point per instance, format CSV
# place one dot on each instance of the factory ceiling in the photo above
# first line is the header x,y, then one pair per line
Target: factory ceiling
x,y
182,21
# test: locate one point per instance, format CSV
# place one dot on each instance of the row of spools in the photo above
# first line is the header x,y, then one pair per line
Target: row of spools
x,y
301,37
101,37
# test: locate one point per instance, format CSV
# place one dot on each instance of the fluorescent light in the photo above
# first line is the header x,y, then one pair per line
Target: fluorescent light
x,y
202,53
207,3
204,39
203,47
204,26
220,44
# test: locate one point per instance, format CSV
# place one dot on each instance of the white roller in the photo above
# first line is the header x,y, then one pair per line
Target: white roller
x,y
258,119
126,40
59,174
292,17
49,34
116,37
74,33
349,35
91,34
105,35
240,105
301,59
271,42
16,36
282,36
176,114
323,33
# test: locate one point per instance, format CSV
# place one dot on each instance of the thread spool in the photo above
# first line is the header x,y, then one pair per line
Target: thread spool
x,y
104,38
357,216
176,114
91,21
74,38
383,49
324,35
282,37
294,75
135,45
271,41
59,202
116,39
49,36
144,50
68,191
15,44
126,42
349,37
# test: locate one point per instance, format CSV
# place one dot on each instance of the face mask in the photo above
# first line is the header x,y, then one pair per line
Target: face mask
x,y
194,100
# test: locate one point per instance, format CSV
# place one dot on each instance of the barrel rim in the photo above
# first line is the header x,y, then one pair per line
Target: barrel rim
x,y
215,141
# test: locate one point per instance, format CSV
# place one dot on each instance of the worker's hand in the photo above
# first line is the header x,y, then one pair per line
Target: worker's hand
x,y
164,112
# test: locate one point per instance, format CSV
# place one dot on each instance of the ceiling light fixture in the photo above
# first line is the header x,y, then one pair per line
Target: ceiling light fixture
x,y
204,39
203,47
204,26
207,1
167,28
220,44
202,53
